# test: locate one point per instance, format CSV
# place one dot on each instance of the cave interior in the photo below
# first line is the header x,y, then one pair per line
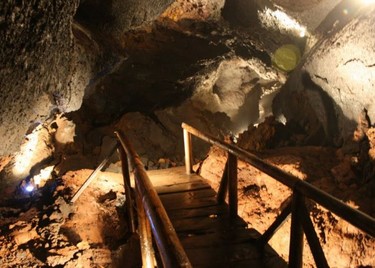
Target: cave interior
x,y
289,81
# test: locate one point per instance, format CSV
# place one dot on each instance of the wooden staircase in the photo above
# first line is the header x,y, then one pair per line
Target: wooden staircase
x,y
206,231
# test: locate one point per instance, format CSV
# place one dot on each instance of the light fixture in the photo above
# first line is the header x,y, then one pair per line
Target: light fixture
x,y
29,188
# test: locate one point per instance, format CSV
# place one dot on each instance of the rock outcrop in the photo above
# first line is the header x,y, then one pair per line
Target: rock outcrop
x,y
334,83
36,63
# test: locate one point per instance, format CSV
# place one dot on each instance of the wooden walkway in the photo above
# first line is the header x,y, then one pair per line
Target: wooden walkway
x,y
208,236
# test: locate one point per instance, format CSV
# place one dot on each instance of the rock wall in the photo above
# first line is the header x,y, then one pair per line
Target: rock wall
x,y
344,67
43,70
334,83
114,18
36,62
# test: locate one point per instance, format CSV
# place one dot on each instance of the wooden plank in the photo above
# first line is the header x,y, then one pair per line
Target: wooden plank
x,y
206,224
237,255
206,231
224,256
171,176
189,203
190,195
194,199
269,262
182,187
227,237
199,211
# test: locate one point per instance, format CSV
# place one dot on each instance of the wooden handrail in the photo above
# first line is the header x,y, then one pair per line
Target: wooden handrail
x,y
169,246
357,218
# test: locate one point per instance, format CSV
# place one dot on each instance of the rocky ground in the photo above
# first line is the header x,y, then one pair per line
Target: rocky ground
x,y
46,230
262,198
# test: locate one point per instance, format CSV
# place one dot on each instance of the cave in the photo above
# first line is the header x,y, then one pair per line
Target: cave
x,y
288,81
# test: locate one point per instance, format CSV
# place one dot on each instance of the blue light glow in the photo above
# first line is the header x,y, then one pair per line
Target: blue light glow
x,y
29,188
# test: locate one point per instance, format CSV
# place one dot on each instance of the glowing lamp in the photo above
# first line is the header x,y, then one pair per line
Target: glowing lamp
x,y
29,188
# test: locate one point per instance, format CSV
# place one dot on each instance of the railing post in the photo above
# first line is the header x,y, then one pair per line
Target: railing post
x,y
128,196
145,236
313,240
188,152
223,188
232,185
296,232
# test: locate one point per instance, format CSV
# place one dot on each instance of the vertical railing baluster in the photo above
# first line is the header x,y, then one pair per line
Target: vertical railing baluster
x,y
232,185
145,236
223,188
127,186
188,152
296,232
313,240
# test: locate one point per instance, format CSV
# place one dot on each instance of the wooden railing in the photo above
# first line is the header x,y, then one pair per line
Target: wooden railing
x,y
152,217
301,222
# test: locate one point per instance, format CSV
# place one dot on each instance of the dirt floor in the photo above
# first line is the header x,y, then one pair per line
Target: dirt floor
x,y
45,230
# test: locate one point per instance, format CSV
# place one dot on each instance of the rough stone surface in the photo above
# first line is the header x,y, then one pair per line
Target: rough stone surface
x,y
308,12
238,88
347,73
114,18
36,62
334,84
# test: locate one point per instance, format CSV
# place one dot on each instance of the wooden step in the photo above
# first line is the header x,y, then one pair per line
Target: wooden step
x,y
209,237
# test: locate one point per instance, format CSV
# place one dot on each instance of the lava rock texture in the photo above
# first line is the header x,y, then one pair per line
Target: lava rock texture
x,y
36,62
